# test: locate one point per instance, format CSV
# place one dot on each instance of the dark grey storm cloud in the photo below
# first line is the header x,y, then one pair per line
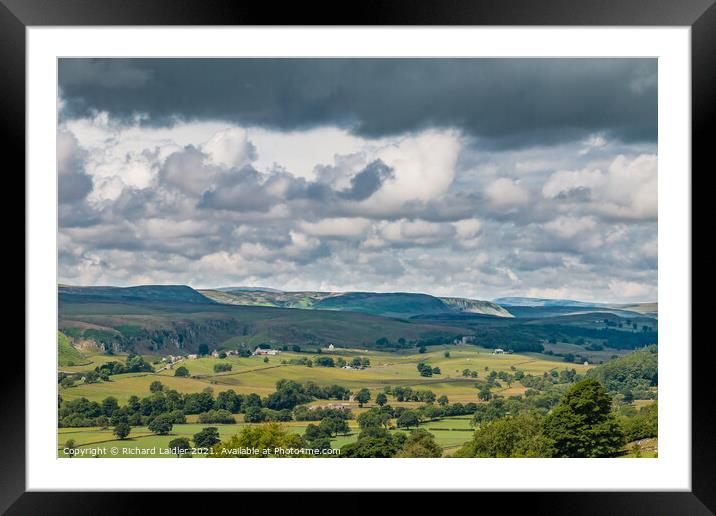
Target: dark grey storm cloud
x,y
366,182
507,103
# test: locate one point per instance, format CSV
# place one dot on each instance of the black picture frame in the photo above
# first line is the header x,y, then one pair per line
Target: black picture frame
x,y
700,15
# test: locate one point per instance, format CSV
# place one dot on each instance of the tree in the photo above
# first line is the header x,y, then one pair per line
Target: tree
x,y
67,382
422,349
254,415
102,422
485,394
156,386
518,436
436,370
161,425
408,419
222,416
70,445
446,354
333,426
421,443
269,440
373,419
288,395
180,446
381,399
443,400
203,349
363,396
122,429
642,425
424,369
109,406
221,368
207,438
181,371
582,425
374,442
91,377
228,400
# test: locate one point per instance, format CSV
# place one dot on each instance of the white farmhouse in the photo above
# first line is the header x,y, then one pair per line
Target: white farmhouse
x,y
271,352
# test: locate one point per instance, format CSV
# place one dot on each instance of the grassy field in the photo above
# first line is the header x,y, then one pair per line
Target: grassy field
x,y
252,374
593,356
450,433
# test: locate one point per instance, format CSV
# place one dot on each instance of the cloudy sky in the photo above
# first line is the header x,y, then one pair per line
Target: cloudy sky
x,y
468,177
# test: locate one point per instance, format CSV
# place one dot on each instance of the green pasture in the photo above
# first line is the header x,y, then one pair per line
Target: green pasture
x,y
252,374
449,433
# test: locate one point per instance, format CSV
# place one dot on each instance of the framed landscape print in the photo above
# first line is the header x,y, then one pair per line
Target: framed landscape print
x,y
451,258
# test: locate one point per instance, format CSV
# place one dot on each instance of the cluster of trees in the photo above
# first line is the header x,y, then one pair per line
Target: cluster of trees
x,y
582,424
613,338
265,439
640,424
356,363
408,418
222,368
409,394
425,370
401,343
627,324
516,338
320,435
303,413
375,440
305,361
579,422
206,438
635,374
326,361
217,416
572,358
277,406
134,364
260,415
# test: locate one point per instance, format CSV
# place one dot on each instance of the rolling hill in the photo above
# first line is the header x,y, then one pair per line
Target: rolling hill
x,y
152,321
541,307
143,293
391,304
67,355
178,319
